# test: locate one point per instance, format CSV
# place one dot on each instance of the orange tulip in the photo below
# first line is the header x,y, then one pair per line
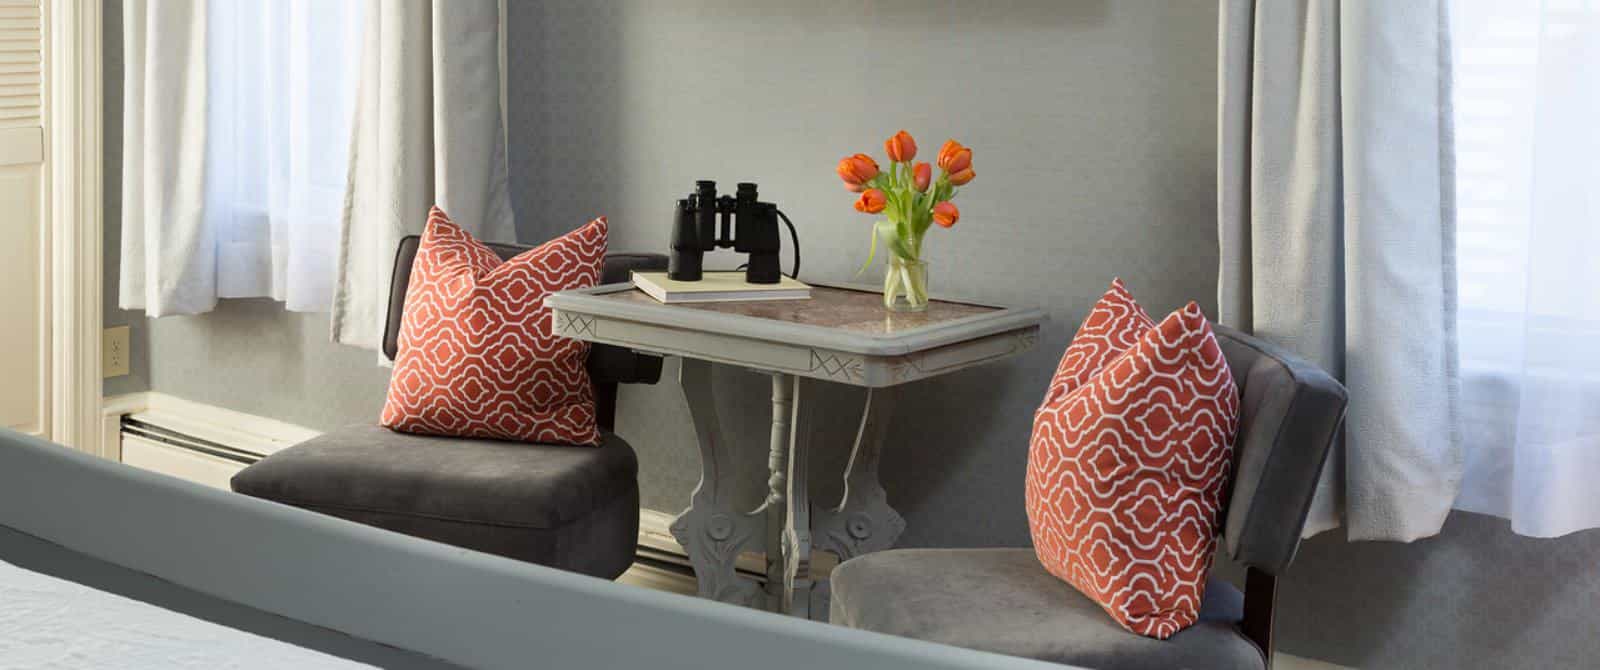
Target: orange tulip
x,y
962,177
921,174
901,147
953,157
871,202
946,214
858,169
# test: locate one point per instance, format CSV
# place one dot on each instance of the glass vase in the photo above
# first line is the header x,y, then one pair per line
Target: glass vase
x,y
905,285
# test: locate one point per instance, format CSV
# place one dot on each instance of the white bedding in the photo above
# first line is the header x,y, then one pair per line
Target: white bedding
x,y
52,623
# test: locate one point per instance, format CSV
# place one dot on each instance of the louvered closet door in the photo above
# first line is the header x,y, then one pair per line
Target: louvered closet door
x,y
22,229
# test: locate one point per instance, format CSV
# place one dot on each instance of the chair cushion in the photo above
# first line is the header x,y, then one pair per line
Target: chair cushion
x,y
565,507
1003,600
477,357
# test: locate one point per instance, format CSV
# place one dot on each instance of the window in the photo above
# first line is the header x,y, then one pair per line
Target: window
x,y
1527,109
282,94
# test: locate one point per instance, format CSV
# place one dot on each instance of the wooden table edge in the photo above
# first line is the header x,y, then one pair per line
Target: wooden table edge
x,y
1005,319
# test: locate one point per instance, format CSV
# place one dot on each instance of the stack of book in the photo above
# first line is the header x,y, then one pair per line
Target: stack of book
x,y
717,287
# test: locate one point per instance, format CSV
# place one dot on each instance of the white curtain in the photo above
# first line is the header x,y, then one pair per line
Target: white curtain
x,y
1335,189
236,125
428,130
1528,91
168,250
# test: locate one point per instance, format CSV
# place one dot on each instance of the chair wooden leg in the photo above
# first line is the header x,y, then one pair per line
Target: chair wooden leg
x,y
1260,596
605,406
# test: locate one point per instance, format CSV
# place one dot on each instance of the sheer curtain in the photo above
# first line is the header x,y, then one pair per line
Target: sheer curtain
x,y
283,90
236,130
1528,174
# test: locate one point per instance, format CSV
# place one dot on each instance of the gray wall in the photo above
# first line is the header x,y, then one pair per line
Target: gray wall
x,y
138,377
1093,124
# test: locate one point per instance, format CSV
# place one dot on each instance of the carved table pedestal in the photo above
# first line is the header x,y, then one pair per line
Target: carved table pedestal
x,y
841,335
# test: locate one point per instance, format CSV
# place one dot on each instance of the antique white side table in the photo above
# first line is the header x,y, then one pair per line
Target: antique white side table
x,y
842,335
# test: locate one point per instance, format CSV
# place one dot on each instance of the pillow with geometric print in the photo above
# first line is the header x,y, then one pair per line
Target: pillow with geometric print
x,y
1129,460
476,356
1114,324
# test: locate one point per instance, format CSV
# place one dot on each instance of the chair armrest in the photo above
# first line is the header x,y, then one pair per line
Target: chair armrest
x,y
616,365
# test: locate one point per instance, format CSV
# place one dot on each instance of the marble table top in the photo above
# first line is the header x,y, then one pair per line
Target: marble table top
x,y
830,307
838,317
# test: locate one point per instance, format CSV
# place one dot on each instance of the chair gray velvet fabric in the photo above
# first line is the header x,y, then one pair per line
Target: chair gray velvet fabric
x,y
1290,411
573,508
1003,600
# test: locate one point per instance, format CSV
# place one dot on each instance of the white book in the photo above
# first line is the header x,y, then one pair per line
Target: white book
x,y
717,287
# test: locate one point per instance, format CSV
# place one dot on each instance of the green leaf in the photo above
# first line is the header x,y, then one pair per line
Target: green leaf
x,y
871,252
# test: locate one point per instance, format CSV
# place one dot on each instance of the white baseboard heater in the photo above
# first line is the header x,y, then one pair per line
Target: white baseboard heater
x,y
189,440
151,446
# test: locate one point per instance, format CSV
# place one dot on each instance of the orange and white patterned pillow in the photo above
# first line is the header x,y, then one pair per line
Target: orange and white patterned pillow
x,y
1127,472
476,355
1114,324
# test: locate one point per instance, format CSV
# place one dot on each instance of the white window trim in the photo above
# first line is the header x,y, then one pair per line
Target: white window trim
x,y
74,99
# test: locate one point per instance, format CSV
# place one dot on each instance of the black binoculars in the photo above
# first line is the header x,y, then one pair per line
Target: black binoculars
x,y
748,225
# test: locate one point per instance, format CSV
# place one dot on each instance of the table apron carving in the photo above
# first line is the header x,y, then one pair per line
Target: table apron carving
x,y
799,360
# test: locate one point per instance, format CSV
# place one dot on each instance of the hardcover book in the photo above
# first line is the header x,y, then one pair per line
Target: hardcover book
x,y
717,287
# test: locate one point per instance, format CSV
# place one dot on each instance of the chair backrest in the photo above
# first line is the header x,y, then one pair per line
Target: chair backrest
x,y
1290,413
608,365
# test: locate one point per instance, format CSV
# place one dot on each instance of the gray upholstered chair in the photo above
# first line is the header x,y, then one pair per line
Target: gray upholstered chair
x,y
1003,600
571,508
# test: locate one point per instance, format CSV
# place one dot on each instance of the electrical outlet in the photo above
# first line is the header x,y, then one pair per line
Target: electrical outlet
x,y
114,351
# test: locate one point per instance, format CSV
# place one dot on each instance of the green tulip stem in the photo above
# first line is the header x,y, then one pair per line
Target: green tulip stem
x,y
908,279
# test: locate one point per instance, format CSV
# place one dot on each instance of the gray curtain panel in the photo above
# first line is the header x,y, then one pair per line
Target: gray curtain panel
x,y
428,130
1336,223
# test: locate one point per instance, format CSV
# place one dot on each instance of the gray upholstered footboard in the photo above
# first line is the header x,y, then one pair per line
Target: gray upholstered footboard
x,y
31,553
464,607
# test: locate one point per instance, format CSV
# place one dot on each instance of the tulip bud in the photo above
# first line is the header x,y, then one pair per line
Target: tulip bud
x,y
871,202
901,147
857,169
962,177
953,157
946,214
921,174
